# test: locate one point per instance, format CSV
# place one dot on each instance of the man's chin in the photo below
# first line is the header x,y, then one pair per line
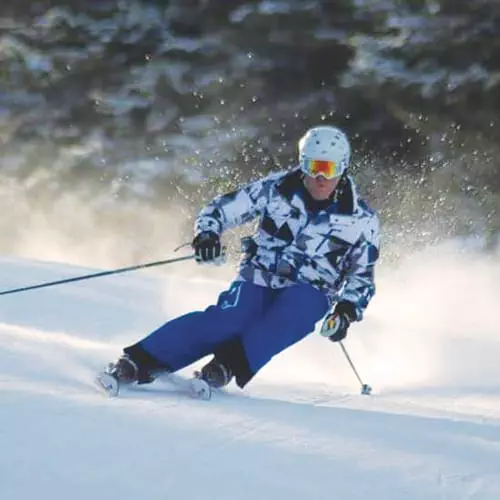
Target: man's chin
x,y
320,196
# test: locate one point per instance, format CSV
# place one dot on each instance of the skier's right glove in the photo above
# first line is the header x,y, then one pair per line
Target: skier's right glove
x,y
335,327
207,247
336,324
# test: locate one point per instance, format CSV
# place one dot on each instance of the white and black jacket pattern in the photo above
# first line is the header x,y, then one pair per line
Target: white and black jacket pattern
x,y
331,245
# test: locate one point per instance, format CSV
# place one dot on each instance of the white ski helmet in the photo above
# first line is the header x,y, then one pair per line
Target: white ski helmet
x,y
325,143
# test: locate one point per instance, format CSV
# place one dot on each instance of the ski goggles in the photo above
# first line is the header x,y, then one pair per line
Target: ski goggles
x,y
315,168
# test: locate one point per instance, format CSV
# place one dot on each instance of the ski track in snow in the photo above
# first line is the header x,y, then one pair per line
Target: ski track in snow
x,y
301,430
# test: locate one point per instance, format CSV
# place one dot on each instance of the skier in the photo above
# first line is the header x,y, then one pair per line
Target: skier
x,y
312,257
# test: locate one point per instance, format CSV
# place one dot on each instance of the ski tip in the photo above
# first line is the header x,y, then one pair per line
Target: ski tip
x,y
199,389
107,383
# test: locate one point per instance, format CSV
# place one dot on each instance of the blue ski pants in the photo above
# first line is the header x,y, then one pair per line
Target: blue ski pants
x,y
248,325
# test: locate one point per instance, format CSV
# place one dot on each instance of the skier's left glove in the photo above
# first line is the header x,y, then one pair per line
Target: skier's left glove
x,y
336,324
207,247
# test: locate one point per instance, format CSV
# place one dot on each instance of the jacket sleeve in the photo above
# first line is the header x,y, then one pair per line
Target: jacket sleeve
x,y
359,285
235,208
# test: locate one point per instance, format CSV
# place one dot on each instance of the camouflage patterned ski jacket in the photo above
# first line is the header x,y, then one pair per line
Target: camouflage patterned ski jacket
x,y
332,245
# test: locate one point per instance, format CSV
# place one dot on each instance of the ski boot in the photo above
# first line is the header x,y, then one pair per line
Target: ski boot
x,y
124,371
216,374
213,375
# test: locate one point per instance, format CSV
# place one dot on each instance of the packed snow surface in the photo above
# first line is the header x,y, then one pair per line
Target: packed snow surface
x,y
429,346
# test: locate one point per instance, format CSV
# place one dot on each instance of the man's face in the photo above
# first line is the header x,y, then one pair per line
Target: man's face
x,y
320,188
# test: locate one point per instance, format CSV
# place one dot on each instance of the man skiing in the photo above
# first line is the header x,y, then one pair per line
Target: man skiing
x,y
312,257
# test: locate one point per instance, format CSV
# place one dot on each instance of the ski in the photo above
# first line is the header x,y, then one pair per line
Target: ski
x,y
107,383
194,387
199,389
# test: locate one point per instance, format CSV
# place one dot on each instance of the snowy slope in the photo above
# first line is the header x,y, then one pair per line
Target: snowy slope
x,y
429,346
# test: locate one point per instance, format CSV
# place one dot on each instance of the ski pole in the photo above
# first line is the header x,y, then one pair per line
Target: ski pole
x,y
365,388
97,275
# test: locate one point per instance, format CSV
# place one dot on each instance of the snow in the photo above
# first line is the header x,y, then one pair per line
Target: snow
x,y
429,346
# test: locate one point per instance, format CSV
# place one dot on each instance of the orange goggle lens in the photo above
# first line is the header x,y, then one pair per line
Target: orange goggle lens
x,y
315,168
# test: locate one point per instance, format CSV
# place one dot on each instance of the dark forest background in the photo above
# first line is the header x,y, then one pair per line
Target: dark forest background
x,y
166,103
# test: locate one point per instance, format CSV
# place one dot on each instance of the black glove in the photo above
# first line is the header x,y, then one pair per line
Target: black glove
x,y
336,324
207,247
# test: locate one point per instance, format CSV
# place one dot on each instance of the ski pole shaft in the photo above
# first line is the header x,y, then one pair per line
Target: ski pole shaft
x,y
98,275
365,388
